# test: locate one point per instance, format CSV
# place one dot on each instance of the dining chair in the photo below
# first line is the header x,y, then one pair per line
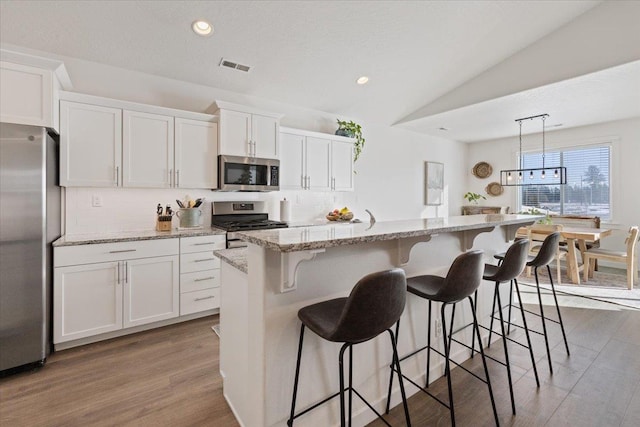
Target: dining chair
x,y
628,257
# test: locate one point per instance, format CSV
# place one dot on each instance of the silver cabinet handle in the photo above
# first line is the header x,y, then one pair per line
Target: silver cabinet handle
x,y
203,260
118,268
126,273
249,148
309,182
117,176
203,298
203,244
170,177
204,278
177,177
121,251
302,184
333,183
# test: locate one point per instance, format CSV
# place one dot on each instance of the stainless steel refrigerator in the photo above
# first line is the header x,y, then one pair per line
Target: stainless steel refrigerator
x,y
29,223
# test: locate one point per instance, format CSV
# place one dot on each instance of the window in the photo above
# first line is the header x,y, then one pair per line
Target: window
x,y
587,191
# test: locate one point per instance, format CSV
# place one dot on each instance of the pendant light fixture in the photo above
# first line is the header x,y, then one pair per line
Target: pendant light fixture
x,y
554,175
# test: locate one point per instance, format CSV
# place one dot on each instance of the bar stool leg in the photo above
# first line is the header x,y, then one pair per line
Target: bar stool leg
x,y
453,313
295,382
544,324
428,345
510,305
447,349
350,381
476,329
506,351
388,408
526,332
341,368
553,289
493,313
396,360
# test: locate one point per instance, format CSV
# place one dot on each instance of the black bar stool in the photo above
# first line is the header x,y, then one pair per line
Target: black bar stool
x,y
463,279
508,271
546,253
374,305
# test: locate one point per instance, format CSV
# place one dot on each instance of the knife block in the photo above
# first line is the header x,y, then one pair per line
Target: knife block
x,y
163,222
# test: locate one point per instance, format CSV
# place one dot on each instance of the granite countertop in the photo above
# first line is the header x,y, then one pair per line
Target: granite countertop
x,y
236,257
326,236
132,236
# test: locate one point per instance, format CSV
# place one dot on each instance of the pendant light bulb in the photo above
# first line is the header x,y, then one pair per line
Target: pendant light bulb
x,y
509,176
555,173
520,175
531,175
542,175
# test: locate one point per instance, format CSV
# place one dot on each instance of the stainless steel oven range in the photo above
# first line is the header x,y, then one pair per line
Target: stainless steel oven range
x,y
241,216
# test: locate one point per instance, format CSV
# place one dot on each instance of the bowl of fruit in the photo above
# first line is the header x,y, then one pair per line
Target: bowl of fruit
x,y
343,214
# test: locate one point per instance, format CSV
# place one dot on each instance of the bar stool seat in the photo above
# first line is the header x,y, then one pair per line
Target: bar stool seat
x,y
375,304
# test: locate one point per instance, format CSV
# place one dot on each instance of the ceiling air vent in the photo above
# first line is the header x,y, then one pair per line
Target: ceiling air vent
x,y
234,65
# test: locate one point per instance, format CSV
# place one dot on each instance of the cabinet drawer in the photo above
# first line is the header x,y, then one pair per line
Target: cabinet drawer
x,y
202,243
198,261
193,302
190,282
105,252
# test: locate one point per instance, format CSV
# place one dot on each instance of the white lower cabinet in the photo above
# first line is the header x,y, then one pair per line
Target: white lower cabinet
x,y
93,298
151,290
87,300
200,273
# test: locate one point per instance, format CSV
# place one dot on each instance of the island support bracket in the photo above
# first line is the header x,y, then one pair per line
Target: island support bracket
x,y
468,236
405,246
289,262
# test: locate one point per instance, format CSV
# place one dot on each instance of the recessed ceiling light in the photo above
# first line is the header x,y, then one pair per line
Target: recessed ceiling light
x,y
443,129
362,80
202,28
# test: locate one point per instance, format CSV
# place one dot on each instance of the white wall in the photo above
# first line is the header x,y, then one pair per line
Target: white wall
x,y
625,163
390,171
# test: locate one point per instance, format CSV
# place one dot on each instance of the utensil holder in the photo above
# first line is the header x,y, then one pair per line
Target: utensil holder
x,y
189,217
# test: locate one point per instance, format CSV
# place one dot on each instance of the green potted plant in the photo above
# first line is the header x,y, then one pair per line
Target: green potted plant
x,y
473,197
352,130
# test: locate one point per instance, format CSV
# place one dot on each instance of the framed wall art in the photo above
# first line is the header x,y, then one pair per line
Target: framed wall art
x,y
433,183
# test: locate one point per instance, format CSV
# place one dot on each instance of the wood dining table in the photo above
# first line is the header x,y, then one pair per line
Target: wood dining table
x,y
574,236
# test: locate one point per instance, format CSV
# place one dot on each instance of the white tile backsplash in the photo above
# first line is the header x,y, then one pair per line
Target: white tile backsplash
x,y
125,209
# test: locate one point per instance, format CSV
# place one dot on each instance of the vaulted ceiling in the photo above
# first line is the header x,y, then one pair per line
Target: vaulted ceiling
x,y
310,53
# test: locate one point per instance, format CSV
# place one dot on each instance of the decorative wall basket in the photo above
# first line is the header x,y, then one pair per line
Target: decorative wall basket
x,y
482,170
494,189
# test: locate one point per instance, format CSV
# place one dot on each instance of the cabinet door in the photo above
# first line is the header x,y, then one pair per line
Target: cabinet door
x,y
90,145
265,134
342,166
151,290
87,300
235,133
27,95
147,144
318,163
196,154
292,162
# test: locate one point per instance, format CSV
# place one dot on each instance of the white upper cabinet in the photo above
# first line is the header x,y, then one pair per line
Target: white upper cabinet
x,y
341,165
103,144
29,89
292,161
264,136
196,154
147,156
318,164
90,145
246,132
315,161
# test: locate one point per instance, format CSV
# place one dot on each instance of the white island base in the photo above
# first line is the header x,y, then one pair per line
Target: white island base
x,y
260,328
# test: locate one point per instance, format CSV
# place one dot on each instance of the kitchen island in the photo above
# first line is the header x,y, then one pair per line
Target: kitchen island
x,y
288,269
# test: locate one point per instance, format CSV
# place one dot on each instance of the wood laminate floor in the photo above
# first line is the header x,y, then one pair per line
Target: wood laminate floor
x,y
169,377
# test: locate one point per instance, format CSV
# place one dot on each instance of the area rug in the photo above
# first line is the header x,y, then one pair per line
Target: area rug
x,y
608,286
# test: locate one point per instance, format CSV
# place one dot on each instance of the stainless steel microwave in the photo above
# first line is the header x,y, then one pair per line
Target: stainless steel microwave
x,y
237,173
